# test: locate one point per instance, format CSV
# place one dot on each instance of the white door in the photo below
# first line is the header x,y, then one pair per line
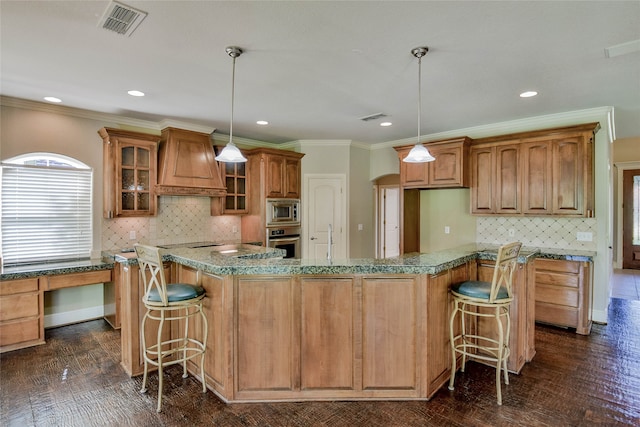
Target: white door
x,y
325,209
389,216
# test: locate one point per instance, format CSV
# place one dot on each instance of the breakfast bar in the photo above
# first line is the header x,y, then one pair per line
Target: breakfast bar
x,y
300,329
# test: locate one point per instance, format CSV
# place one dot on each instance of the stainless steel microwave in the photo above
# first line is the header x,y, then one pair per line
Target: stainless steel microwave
x,y
283,212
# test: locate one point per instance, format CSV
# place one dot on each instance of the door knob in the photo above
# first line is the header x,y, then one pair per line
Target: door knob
x,y
312,238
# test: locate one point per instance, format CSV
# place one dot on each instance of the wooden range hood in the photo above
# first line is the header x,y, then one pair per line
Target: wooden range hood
x,y
187,165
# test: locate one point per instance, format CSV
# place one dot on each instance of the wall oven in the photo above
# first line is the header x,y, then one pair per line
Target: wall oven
x,y
287,238
281,212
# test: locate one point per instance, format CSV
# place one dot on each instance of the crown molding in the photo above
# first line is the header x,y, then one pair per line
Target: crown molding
x,y
604,115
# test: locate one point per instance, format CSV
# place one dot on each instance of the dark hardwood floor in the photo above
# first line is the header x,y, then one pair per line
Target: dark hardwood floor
x,y
75,380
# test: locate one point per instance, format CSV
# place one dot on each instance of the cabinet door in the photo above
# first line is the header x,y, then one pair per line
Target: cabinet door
x,y
265,339
482,180
508,185
275,168
235,178
292,178
537,177
389,333
327,347
130,173
412,175
568,172
447,169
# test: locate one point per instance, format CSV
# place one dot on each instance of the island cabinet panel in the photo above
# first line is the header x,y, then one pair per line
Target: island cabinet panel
x,y
389,333
327,333
21,314
129,279
520,311
266,331
217,309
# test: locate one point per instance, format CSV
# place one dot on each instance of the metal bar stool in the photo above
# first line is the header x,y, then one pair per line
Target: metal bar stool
x,y
485,300
169,302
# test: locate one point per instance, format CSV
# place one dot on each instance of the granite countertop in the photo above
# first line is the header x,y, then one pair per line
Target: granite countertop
x,y
54,268
246,259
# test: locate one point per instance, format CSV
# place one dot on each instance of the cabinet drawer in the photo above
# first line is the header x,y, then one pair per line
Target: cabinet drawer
x,y
19,331
557,279
19,286
558,295
556,314
77,279
562,266
17,306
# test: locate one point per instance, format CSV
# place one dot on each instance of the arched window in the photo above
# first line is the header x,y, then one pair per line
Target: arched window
x,y
46,209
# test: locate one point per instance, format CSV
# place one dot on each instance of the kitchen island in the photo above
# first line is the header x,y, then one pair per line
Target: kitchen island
x,y
283,329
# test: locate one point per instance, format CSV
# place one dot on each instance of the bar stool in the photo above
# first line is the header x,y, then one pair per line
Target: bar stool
x,y
171,302
485,300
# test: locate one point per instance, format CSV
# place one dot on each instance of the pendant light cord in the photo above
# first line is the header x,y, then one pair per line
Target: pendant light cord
x,y
233,85
419,95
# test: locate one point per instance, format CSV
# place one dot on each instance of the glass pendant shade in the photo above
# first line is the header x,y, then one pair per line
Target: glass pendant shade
x,y
231,154
419,154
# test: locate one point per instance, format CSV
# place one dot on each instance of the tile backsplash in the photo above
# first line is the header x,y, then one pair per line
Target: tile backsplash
x,y
180,219
537,231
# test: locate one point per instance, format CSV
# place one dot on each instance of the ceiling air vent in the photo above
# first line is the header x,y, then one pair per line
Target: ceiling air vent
x,y
121,18
375,116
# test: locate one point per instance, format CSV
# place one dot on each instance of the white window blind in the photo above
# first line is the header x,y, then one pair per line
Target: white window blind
x,y
46,212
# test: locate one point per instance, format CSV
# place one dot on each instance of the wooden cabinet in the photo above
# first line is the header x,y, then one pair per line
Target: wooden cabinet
x,y
448,170
563,293
521,312
282,175
235,177
271,174
547,172
21,314
495,179
187,165
129,162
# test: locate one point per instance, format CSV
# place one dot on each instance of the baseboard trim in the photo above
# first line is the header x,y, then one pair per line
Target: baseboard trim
x,y
74,316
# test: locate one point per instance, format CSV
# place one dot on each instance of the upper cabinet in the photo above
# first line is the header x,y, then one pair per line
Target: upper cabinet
x,y
130,160
448,170
187,165
547,172
235,177
278,171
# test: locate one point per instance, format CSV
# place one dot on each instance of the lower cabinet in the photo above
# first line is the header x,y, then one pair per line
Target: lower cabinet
x,y
563,293
21,309
325,337
521,313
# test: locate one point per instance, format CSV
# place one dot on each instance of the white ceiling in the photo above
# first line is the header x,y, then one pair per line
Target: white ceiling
x,y
313,68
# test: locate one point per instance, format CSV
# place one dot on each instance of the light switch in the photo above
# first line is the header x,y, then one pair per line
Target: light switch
x,y
132,235
447,230
584,236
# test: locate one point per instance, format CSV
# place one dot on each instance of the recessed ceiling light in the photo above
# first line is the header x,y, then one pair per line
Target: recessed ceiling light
x,y
135,93
528,94
385,124
262,122
52,99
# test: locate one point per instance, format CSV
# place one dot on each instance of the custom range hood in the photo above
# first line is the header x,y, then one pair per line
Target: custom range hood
x,y
187,165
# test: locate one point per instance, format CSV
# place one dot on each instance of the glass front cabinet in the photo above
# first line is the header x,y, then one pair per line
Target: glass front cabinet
x,y
130,173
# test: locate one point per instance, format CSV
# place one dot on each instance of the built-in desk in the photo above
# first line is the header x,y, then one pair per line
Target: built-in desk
x,y
22,291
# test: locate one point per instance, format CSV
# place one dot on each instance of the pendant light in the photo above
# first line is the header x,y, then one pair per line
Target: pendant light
x,y
230,153
419,153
